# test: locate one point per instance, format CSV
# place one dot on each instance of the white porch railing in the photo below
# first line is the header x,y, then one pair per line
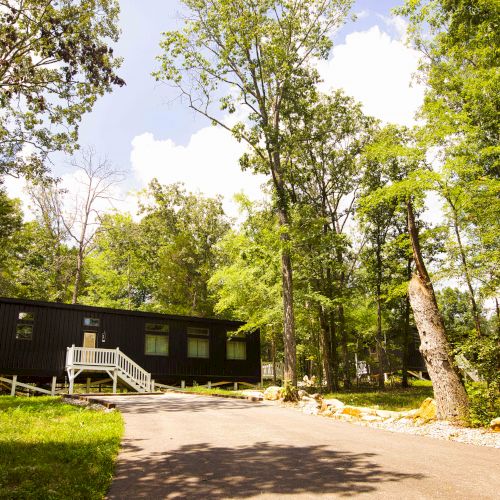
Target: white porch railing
x,y
112,361
267,371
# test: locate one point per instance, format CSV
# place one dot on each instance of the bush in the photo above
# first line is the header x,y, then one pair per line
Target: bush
x,y
484,403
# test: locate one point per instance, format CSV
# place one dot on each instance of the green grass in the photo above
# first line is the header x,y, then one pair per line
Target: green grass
x,y
214,390
51,450
396,399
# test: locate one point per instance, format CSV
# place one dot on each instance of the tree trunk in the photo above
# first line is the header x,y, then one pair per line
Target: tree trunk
x,y
406,330
468,280
273,354
380,357
325,349
289,320
78,276
334,360
345,349
450,395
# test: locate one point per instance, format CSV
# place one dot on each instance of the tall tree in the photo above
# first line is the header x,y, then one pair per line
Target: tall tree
x,y
460,45
324,180
256,55
55,60
180,231
396,148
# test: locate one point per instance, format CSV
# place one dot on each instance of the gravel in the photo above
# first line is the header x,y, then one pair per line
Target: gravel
x,y
441,430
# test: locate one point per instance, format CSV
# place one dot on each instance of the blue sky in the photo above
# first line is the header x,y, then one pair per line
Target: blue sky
x,y
144,131
145,105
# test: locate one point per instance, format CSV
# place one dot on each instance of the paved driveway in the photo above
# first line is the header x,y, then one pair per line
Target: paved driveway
x,y
186,446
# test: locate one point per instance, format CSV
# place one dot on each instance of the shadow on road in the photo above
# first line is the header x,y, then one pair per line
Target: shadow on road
x,y
202,471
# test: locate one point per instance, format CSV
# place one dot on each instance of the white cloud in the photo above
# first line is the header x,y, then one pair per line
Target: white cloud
x,y
208,163
376,70
398,23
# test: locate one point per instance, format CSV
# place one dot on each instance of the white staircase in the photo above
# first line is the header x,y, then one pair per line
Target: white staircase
x,y
111,361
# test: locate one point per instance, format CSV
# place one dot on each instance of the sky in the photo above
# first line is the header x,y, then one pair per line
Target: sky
x,y
146,131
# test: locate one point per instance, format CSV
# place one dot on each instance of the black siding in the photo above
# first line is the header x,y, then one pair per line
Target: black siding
x,y
58,326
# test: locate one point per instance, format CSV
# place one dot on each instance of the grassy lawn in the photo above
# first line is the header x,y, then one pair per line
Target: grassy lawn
x,y
214,390
392,398
49,449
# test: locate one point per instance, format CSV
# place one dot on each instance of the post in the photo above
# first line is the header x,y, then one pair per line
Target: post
x,y
152,386
209,385
117,356
88,384
183,384
71,380
53,387
13,388
236,386
115,380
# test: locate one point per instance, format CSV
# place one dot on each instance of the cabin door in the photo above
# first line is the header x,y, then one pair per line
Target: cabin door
x,y
89,340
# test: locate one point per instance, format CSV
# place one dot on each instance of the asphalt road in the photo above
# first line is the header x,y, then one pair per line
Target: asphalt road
x,y
186,446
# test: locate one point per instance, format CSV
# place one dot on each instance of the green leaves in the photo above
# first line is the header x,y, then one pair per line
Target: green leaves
x,y
55,62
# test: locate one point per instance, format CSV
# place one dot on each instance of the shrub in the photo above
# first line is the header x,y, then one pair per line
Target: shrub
x,y
484,403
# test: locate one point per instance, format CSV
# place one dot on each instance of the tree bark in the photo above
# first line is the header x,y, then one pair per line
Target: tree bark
x,y
334,360
380,357
406,330
325,349
451,398
290,351
78,276
468,280
345,349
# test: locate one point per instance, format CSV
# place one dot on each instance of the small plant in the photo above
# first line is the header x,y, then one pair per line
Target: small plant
x,y
484,403
289,392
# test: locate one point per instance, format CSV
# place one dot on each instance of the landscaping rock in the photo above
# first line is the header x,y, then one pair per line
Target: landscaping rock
x,y
371,418
250,393
387,414
302,393
273,393
351,411
427,410
495,424
334,403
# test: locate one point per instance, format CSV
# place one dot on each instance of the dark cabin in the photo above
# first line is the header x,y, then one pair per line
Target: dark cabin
x,y
35,337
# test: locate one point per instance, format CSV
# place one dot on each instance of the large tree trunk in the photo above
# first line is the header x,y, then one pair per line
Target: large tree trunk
x,y
345,349
290,370
450,395
325,349
78,276
379,339
406,330
334,360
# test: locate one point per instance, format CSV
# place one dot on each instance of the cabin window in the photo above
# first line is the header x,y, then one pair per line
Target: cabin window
x,y
157,345
236,350
91,322
24,327
198,343
156,327
156,339
198,348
